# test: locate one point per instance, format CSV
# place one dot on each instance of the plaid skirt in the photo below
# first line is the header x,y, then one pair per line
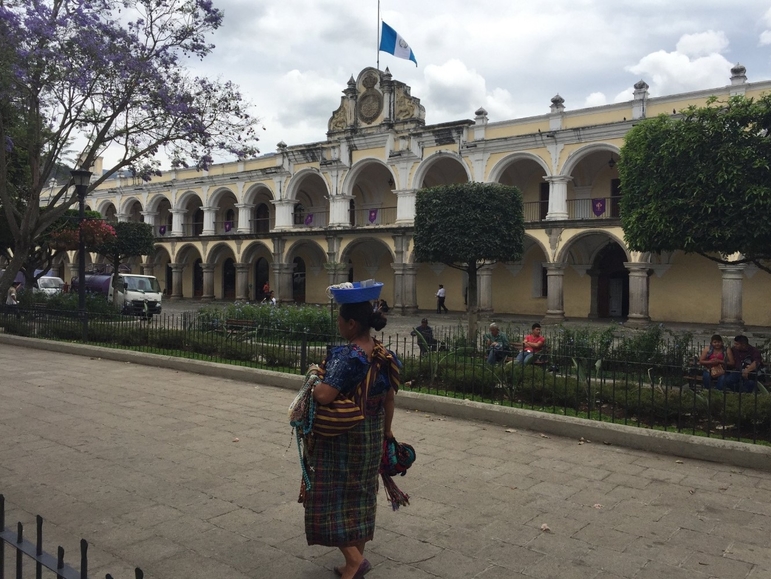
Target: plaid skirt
x,y
341,504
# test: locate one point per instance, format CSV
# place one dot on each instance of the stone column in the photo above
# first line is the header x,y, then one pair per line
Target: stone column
x,y
149,217
148,268
73,267
176,280
594,281
638,294
122,217
242,281
209,214
283,276
284,209
405,206
244,218
339,207
336,272
485,288
555,309
410,289
731,299
398,286
178,222
558,197
208,281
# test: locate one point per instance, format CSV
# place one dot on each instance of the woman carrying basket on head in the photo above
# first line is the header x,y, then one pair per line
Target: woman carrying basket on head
x,y
341,500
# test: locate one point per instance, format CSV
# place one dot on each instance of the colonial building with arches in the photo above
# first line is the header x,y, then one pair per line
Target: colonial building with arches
x,y
310,215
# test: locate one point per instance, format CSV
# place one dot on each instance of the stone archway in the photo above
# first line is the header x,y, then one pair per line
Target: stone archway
x,y
261,277
198,278
612,291
298,280
229,279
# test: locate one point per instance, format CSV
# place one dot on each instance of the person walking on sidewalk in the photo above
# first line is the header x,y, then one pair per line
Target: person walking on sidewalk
x,y
440,296
341,502
12,299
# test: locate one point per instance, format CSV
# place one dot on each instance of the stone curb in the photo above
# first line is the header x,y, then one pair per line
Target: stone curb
x,y
671,443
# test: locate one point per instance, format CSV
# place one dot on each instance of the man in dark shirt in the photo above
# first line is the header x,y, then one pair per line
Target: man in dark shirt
x,y
427,333
747,361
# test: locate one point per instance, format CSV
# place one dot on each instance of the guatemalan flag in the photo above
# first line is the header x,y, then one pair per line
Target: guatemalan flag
x,y
392,43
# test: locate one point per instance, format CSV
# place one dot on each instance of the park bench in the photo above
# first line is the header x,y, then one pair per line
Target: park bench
x,y
235,327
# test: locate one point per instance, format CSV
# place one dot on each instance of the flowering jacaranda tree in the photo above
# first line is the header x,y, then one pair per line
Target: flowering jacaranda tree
x,y
99,74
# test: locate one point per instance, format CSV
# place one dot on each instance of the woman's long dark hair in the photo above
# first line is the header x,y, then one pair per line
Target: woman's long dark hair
x,y
362,313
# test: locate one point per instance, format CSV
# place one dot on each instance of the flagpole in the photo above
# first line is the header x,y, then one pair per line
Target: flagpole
x,y
378,35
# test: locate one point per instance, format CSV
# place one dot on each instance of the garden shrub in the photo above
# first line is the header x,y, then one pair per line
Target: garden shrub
x,y
203,344
64,331
274,356
314,321
17,326
133,338
164,339
241,351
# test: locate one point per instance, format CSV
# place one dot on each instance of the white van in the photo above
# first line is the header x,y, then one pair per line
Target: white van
x,y
49,285
138,295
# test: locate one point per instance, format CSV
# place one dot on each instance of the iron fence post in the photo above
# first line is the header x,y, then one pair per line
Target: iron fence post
x,y
304,353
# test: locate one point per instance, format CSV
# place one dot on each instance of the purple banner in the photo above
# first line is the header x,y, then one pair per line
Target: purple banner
x,y
228,226
309,219
372,215
162,230
598,206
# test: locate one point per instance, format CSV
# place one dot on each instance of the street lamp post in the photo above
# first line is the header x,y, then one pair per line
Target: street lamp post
x,y
81,179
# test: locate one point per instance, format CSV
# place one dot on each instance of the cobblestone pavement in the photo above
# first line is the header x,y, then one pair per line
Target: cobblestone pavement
x,y
145,465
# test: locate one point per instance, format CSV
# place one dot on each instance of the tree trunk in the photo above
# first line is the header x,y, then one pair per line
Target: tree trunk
x,y
115,268
12,269
473,302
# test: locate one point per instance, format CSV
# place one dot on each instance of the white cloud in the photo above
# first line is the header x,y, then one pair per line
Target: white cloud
x,y
765,36
702,44
293,58
305,96
696,63
624,96
596,99
454,90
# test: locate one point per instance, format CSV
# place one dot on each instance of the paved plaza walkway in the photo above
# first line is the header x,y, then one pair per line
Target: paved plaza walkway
x,y
192,477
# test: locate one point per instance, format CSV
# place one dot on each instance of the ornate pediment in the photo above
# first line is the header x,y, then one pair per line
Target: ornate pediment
x,y
375,101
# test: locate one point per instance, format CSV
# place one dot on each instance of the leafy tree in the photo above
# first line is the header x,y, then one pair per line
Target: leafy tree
x,y
105,74
701,183
467,226
131,240
41,257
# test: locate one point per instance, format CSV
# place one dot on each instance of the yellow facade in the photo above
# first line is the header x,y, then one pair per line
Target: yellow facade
x,y
310,215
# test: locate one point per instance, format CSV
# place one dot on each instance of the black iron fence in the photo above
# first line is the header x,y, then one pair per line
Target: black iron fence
x,y
647,378
36,556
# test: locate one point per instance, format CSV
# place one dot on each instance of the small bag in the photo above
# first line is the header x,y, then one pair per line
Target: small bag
x,y
717,371
397,458
337,417
343,413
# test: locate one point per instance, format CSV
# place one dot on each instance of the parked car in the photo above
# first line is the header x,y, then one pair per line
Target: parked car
x,y
49,285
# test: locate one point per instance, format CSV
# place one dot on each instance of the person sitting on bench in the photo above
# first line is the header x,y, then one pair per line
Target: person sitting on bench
x,y
532,345
426,341
715,358
497,345
747,362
